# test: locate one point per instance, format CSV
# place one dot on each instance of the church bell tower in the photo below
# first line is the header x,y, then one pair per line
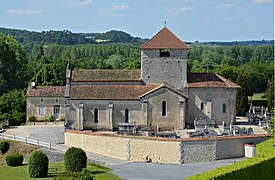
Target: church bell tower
x,y
164,60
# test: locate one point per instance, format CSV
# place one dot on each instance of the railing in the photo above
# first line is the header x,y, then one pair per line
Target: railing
x,y
27,140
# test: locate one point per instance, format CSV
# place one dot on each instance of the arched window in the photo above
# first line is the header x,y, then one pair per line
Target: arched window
x,y
164,108
224,108
126,115
202,106
96,115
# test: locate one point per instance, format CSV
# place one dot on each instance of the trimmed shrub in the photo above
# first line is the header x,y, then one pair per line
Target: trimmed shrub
x,y
31,118
14,159
4,146
38,164
75,160
86,175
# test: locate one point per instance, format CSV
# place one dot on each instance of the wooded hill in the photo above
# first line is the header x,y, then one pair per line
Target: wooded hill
x,y
66,37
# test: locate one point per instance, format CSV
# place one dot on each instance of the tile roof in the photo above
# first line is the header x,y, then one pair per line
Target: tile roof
x,y
165,39
46,91
209,80
110,92
116,92
93,75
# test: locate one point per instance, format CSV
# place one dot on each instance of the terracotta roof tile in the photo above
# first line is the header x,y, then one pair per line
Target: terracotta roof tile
x,y
209,80
105,75
46,91
110,92
165,39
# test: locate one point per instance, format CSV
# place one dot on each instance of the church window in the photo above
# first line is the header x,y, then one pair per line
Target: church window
x,y
163,108
164,53
202,106
224,108
126,115
96,115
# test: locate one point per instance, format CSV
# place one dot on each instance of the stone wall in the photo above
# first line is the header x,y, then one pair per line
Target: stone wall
x,y
170,70
213,100
141,112
33,104
161,150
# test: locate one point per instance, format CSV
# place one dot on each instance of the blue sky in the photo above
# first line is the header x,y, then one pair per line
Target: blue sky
x,y
190,20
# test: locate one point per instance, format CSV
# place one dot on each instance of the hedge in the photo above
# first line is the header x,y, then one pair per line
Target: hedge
x,y
260,167
75,160
38,164
4,146
14,159
260,102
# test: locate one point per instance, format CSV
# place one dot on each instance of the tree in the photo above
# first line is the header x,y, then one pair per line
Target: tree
x,y
270,94
12,107
241,97
50,75
13,64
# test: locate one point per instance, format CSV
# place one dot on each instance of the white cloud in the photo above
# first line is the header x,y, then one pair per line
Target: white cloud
x,y
113,8
74,3
261,1
224,6
181,10
23,11
114,11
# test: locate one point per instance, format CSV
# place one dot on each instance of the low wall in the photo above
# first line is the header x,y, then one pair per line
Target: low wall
x,y
161,150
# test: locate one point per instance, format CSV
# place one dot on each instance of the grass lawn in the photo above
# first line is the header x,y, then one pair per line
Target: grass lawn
x,y
56,170
257,96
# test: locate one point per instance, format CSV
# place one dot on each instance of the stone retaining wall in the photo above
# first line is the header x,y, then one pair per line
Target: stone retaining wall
x,y
161,150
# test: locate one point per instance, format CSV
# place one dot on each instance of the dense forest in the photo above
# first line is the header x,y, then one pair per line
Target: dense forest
x,y
44,63
66,37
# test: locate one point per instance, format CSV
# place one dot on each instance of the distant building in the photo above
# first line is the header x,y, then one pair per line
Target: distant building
x,y
44,101
161,94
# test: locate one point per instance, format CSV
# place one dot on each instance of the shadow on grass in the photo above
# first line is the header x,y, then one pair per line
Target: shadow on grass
x,y
98,172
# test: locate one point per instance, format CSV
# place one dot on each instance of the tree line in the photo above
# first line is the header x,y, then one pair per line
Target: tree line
x,y
66,37
249,66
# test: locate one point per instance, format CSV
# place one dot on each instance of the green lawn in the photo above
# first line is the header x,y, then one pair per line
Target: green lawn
x,y
257,96
56,170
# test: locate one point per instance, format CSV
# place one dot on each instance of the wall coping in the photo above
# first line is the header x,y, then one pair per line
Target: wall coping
x,y
167,139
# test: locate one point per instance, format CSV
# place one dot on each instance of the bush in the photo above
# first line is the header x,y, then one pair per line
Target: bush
x,y
75,160
14,159
38,164
86,175
4,146
31,118
50,118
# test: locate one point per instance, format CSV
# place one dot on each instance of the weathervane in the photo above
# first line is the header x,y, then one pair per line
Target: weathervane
x,y
164,23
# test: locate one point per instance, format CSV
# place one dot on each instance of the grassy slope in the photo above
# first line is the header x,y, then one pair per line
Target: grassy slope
x,y
56,169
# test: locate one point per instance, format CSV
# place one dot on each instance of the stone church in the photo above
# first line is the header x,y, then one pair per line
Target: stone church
x,y
161,94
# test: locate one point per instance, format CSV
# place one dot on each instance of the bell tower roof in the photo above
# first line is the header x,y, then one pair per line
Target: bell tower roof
x,y
165,39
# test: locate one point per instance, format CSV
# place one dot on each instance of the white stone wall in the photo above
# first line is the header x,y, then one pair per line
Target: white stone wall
x,y
213,100
160,150
173,119
110,113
